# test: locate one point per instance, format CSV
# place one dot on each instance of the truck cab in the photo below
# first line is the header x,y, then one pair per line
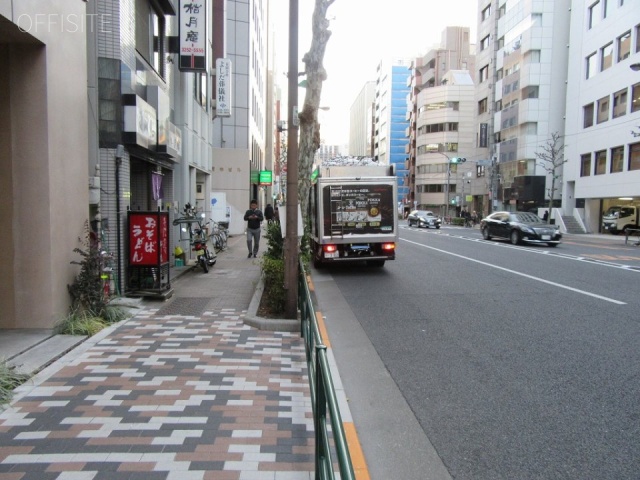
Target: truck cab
x,y
618,218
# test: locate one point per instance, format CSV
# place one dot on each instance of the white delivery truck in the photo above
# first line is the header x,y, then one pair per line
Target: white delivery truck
x,y
353,214
618,218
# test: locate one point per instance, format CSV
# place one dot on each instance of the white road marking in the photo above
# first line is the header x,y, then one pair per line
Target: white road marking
x,y
531,277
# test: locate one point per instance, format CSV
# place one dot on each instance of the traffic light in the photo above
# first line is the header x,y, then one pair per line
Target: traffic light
x,y
458,160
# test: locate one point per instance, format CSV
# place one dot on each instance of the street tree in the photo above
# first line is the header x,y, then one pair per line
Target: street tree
x,y
309,126
551,158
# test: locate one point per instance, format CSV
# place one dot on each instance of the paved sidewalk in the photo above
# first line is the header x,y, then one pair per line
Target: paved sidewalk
x,y
184,390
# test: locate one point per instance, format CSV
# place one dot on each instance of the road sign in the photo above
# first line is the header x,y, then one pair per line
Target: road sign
x,y
483,163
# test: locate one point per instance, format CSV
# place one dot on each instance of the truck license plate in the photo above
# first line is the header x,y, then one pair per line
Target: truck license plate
x,y
331,254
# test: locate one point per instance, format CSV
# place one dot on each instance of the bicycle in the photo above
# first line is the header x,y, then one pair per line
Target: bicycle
x,y
219,236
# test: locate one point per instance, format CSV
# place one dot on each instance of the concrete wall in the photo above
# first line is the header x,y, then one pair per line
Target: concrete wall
x,y
43,160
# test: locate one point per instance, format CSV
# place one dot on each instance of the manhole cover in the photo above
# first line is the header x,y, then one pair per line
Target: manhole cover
x,y
185,306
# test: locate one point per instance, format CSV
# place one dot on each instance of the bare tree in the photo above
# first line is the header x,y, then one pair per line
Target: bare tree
x,y
551,159
309,126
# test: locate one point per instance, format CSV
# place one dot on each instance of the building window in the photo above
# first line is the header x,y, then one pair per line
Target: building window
x,y
594,14
606,56
603,110
619,103
150,35
200,88
587,112
591,65
617,159
634,156
624,46
484,73
532,56
486,13
601,162
482,106
635,98
585,165
532,91
608,6
484,43
637,38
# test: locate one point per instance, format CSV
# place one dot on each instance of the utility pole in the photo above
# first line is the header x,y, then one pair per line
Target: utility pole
x,y
291,250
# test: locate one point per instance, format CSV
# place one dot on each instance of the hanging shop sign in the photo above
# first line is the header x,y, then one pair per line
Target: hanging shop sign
x,y
140,122
265,177
193,36
223,87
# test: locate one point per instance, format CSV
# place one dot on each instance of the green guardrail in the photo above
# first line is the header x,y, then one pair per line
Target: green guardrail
x,y
323,393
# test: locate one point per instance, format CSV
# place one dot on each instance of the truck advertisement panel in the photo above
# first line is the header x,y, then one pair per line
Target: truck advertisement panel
x,y
355,209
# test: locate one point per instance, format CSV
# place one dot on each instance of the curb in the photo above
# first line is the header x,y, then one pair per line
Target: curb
x,y
267,324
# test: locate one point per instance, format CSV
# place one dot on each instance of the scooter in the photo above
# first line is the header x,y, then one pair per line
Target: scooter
x,y
204,256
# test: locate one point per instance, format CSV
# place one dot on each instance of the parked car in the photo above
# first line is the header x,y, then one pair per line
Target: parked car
x,y
424,218
520,227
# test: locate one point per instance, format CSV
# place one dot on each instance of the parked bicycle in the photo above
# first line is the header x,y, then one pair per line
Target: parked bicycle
x,y
219,236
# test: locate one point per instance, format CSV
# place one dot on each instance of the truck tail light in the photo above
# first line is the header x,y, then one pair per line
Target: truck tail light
x,y
329,248
388,246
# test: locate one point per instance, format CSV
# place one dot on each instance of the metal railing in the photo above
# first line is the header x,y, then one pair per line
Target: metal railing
x,y
323,393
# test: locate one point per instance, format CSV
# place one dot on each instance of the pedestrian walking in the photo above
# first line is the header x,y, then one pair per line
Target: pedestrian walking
x,y
268,213
254,218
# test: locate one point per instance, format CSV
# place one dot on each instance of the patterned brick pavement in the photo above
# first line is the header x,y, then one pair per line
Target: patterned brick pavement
x,y
167,396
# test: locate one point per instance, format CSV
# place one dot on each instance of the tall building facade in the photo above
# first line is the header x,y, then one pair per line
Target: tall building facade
x,y
603,109
361,122
390,118
529,91
241,140
441,124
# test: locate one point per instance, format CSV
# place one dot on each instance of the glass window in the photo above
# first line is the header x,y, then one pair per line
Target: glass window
x,y
594,14
635,98
588,115
150,34
601,162
624,46
484,73
634,156
603,110
619,103
591,65
482,106
484,43
608,7
617,159
585,165
637,38
486,13
606,56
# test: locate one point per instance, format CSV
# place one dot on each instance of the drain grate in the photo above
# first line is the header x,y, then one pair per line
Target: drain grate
x,y
185,306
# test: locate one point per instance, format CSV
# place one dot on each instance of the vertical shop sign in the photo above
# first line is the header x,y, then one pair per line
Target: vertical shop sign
x,y
193,37
148,238
223,87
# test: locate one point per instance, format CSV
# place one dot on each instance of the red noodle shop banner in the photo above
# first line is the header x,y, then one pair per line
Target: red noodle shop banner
x,y
148,238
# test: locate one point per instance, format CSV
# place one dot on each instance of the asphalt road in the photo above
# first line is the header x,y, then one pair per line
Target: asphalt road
x,y
516,362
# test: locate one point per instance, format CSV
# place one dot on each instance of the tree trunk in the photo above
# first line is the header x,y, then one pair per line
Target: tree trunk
x,y
309,127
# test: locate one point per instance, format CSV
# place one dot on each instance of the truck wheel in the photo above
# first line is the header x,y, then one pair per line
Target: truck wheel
x,y
375,263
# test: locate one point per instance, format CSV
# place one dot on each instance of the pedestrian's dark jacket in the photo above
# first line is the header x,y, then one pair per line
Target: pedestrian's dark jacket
x,y
253,222
268,212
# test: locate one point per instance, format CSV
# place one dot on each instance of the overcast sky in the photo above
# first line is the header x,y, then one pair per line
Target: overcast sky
x,y
363,33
